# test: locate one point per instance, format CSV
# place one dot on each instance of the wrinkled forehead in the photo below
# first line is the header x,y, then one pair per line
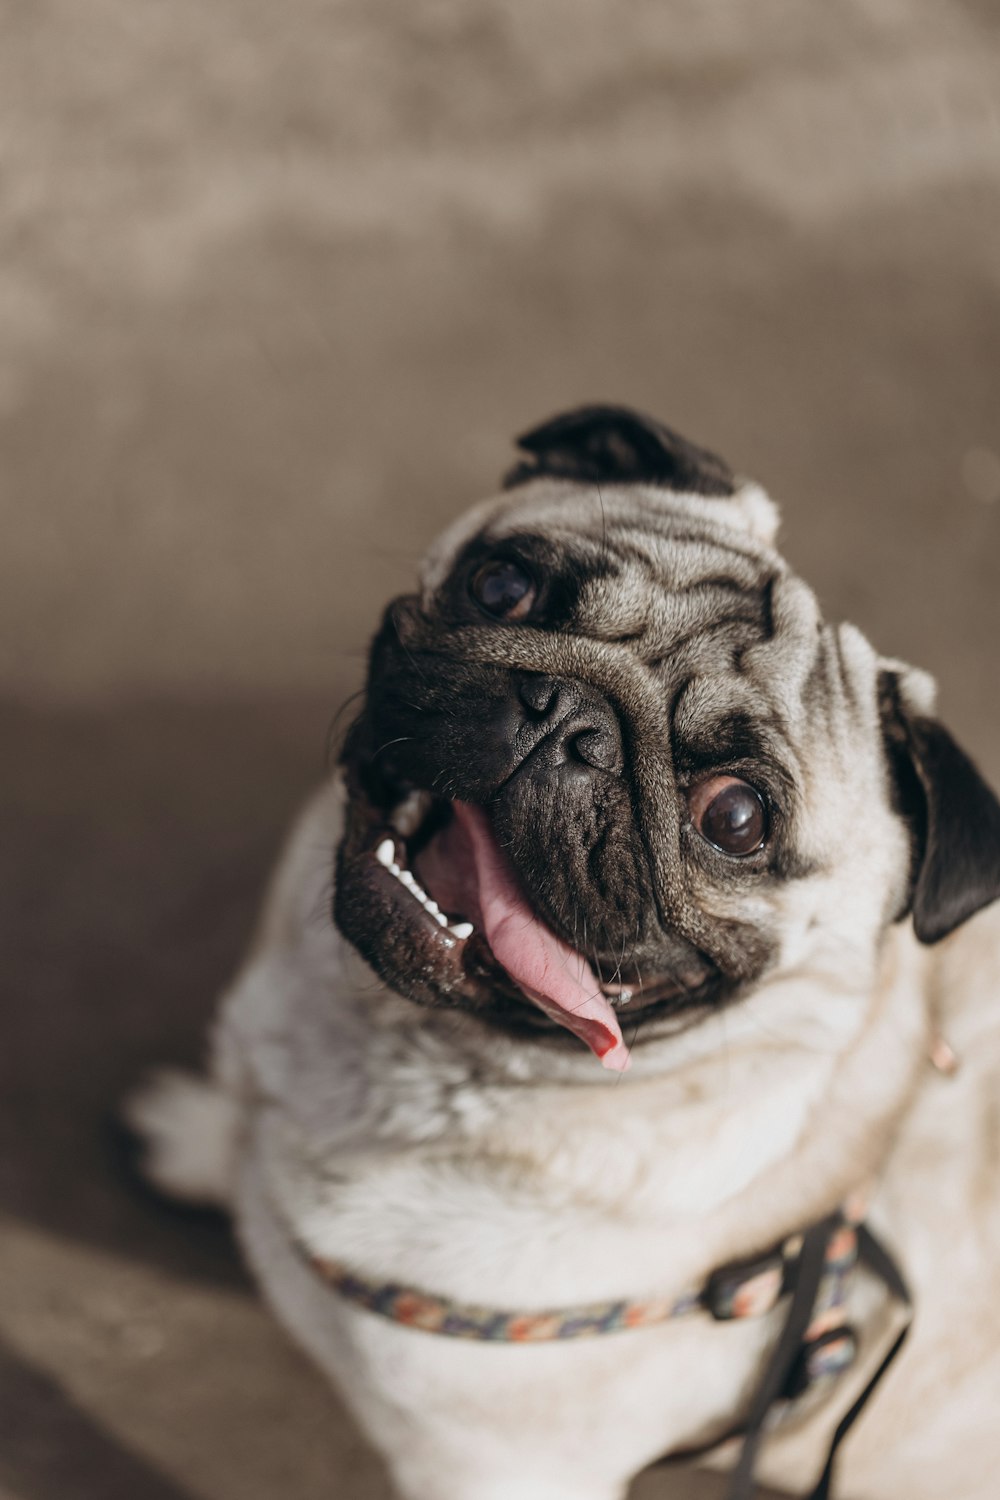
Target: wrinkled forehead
x,y
644,522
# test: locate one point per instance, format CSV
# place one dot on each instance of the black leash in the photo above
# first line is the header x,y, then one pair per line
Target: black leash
x,y
803,1279
878,1260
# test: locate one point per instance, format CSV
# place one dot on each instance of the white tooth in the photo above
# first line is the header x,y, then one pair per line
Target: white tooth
x,y
408,880
441,918
431,906
463,929
410,813
386,853
395,870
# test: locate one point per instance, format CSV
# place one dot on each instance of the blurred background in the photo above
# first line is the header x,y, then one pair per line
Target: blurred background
x,y
278,284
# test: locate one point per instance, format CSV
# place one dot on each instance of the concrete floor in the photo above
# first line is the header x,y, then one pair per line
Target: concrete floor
x,y
276,288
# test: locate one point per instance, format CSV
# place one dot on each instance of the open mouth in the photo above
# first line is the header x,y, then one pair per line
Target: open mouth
x,y
464,868
434,904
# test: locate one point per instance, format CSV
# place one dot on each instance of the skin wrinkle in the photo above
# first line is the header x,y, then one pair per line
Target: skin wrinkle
x,y
654,542
844,677
583,840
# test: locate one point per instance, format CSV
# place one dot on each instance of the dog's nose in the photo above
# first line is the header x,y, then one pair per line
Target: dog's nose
x,y
574,722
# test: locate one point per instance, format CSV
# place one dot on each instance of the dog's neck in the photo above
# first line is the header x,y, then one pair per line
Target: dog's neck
x,y
713,1148
764,1119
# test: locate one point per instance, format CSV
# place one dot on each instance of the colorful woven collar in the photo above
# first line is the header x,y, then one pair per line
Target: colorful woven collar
x,y
745,1289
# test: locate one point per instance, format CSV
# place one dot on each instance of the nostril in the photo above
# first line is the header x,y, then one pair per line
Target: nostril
x,y
567,725
538,693
596,748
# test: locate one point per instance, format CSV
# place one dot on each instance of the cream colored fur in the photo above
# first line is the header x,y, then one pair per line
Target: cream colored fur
x,y
408,1145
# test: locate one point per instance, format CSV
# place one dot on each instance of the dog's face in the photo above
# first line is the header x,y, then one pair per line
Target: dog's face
x,y
614,768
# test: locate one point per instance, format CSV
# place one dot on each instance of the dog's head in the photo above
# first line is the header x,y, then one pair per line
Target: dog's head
x,y
613,764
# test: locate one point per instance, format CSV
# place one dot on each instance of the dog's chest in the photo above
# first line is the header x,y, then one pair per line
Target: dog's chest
x,y
543,1195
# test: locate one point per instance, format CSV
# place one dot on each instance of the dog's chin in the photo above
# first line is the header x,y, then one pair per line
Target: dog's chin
x,y
416,894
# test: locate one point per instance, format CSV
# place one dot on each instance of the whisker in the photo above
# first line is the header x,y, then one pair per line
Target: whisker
x,y
399,740
333,727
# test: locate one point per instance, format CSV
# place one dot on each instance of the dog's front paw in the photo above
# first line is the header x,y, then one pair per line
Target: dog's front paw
x,y
185,1128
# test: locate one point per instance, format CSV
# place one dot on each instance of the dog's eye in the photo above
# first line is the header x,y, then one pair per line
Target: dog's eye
x,y
729,813
503,589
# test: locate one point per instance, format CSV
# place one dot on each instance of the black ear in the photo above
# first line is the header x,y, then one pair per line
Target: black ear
x,y
614,445
953,815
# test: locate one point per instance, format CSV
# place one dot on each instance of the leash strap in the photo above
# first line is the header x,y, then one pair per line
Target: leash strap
x,y
878,1260
805,1277
804,1284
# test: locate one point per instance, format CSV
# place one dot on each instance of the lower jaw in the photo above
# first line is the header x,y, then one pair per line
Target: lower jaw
x,y
658,1018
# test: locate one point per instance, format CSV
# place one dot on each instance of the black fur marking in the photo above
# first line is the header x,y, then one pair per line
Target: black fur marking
x,y
953,815
615,445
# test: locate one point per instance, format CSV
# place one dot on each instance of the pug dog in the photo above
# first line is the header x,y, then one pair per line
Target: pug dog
x,y
635,934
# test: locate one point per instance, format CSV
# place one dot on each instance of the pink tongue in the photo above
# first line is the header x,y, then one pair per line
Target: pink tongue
x,y
557,979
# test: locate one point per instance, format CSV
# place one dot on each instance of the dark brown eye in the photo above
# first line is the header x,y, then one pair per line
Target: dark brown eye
x,y
503,589
730,814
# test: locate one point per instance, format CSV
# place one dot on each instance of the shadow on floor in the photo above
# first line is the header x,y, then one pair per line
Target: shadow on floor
x,y
50,1449
134,843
